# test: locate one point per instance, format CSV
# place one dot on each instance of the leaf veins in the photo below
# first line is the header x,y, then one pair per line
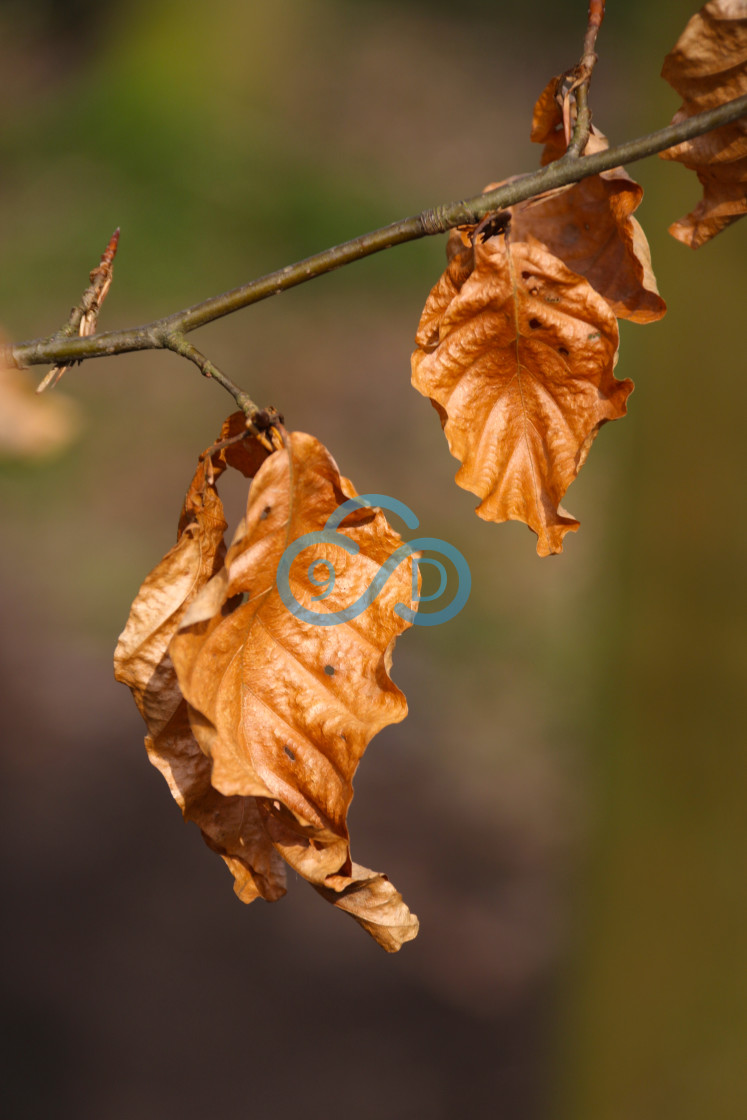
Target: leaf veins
x,y
518,339
517,356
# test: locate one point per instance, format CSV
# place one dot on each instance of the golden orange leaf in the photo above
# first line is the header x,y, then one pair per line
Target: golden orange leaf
x,y
257,718
229,825
517,356
285,708
708,67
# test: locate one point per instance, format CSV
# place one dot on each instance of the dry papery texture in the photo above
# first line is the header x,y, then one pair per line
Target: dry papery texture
x,y
258,719
708,67
518,340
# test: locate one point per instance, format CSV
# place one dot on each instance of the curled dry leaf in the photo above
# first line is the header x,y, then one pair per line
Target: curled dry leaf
x,y
589,225
708,67
518,339
517,354
229,824
272,714
31,428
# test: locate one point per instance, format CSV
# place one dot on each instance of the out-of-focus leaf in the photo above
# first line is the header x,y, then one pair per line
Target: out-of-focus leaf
x,y
230,825
32,427
517,355
285,708
708,67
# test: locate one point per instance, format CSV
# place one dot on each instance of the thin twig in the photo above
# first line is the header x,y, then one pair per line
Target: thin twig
x,y
582,80
258,420
155,335
596,15
178,342
85,315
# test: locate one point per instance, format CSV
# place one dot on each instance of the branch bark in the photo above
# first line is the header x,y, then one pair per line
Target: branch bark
x,y
161,333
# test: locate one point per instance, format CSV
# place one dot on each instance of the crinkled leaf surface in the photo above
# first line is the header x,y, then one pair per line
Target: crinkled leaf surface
x,y
516,352
708,67
590,226
283,708
230,825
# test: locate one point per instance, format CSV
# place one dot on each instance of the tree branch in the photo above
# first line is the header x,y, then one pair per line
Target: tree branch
x,y
161,333
180,344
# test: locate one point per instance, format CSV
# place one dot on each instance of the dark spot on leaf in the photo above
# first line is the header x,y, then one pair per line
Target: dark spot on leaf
x,y
526,275
534,324
343,737
562,350
492,225
234,603
265,513
329,670
290,754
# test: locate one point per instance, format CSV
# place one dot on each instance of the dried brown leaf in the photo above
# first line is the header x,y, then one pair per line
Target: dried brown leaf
x,y
284,708
517,356
708,67
589,225
260,733
229,825
547,115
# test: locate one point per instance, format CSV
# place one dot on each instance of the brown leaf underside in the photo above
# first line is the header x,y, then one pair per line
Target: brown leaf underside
x,y
141,661
708,67
260,721
589,225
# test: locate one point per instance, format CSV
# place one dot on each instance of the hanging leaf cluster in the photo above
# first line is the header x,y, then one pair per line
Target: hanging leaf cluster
x,y
258,714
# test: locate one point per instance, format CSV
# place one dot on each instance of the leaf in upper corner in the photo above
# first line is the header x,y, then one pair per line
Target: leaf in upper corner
x,y
708,67
589,225
229,825
517,356
284,708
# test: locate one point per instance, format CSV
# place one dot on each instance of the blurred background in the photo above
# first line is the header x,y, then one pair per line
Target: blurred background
x,y
564,806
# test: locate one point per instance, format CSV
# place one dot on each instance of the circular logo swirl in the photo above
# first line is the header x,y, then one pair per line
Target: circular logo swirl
x,y
331,534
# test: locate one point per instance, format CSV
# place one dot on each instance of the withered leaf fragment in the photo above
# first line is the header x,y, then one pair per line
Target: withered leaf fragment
x,y
282,709
517,352
590,225
230,825
708,67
